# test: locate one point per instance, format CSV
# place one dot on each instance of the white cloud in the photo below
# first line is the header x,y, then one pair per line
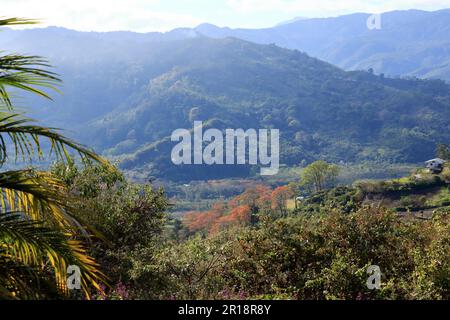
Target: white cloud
x,y
99,15
332,7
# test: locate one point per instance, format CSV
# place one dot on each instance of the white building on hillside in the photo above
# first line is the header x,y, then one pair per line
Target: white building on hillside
x,y
435,165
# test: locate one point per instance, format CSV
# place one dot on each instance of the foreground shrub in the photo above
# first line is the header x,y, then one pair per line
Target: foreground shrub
x,y
315,257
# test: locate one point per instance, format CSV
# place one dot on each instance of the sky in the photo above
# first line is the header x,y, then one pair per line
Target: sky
x,y
165,15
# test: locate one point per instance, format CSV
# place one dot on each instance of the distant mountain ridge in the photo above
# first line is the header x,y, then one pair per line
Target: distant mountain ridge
x,y
291,21
409,43
124,93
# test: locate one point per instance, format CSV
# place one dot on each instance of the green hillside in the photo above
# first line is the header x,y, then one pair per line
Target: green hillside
x,y
125,93
321,111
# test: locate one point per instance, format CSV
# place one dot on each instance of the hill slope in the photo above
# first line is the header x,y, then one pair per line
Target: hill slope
x,y
321,111
126,94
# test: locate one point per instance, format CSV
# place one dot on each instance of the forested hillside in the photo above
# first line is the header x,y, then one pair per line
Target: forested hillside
x,y
126,94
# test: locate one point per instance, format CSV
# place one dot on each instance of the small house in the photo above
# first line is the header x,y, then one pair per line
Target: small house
x,y
435,165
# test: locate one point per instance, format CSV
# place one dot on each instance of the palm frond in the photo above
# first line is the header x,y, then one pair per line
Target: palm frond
x,y
28,73
29,243
39,195
19,281
16,21
25,137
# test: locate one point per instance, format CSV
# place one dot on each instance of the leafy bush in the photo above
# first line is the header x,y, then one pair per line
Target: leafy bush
x,y
322,255
314,257
130,218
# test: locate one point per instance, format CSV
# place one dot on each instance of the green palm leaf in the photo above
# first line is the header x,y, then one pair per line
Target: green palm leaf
x,y
31,244
42,232
16,21
25,73
25,136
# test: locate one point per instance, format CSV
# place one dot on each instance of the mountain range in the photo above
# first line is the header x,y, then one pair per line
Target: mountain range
x,y
124,93
409,43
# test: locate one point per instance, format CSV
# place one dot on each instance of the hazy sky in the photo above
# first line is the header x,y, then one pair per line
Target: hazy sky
x,y
163,15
